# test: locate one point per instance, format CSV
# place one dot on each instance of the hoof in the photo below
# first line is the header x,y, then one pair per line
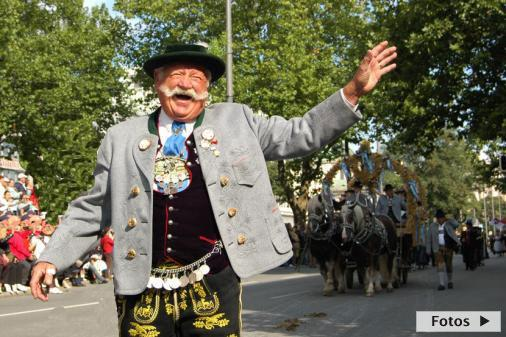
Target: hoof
x,y
327,293
390,290
341,291
369,294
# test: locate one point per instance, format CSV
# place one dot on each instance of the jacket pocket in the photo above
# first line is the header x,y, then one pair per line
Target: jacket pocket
x,y
278,235
246,171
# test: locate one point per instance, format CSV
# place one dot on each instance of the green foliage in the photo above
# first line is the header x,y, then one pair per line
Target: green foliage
x,y
288,57
450,70
59,73
449,174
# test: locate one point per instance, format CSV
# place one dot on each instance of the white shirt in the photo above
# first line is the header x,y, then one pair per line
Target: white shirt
x,y
442,235
165,127
100,265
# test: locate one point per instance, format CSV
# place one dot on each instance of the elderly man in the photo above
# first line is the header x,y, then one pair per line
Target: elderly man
x,y
187,192
442,242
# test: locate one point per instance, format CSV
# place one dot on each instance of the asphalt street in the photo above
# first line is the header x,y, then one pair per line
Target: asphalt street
x,y
280,303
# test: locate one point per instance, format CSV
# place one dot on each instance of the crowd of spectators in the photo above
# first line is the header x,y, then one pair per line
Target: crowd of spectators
x,y
24,234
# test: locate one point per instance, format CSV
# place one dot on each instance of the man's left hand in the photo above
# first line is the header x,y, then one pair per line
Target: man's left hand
x,y
376,63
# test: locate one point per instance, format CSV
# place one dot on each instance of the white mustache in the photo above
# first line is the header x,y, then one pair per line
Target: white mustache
x,y
179,91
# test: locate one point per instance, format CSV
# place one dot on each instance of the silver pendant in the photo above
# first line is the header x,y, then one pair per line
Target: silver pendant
x,y
192,278
198,275
184,280
204,269
150,282
174,282
157,283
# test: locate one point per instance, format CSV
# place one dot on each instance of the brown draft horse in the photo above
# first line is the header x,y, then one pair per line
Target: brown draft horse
x,y
324,239
373,243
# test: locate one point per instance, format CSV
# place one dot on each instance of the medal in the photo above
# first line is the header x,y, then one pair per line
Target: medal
x,y
204,143
208,134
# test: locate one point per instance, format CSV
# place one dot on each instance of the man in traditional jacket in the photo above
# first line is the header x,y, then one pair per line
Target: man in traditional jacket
x,y
390,204
442,242
188,195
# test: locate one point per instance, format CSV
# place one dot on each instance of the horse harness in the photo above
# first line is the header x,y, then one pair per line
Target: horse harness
x,y
372,226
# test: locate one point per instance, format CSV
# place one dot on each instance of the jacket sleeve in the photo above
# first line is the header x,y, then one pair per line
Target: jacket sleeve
x,y
85,217
300,136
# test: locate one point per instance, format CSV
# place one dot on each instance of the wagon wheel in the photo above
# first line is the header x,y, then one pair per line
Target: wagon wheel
x,y
349,278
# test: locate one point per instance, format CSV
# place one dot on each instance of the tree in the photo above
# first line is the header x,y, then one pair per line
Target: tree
x,y
451,73
61,84
449,174
288,56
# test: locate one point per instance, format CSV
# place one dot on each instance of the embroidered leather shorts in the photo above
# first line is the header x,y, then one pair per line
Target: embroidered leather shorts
x,y
210,307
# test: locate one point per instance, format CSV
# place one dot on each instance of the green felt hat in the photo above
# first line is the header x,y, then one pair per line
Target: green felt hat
x,y
191,53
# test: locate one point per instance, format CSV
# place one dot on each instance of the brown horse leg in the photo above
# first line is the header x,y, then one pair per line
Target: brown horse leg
x,y
329,278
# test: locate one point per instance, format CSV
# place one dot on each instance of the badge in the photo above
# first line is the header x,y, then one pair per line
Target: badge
x,y
204,143
144,144
171,175
208,134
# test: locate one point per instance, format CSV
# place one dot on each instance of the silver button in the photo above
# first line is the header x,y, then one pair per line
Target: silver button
x,y
169,250
189,164
189,142
171,196
169,236
171,222
171,208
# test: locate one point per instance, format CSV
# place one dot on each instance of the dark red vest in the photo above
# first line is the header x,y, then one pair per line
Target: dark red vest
x,y
184,228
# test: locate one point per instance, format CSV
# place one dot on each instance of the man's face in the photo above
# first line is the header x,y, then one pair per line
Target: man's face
x,y
390,193
180,105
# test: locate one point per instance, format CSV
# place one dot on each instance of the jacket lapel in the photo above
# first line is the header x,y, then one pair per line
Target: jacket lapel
x,y
144,148
208,160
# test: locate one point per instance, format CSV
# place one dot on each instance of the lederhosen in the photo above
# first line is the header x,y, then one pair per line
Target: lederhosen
x,y
185,231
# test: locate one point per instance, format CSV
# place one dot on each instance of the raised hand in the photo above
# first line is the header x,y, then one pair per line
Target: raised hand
x,y
376,63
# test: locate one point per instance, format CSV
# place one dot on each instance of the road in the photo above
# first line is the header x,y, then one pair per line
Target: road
x,y
280,303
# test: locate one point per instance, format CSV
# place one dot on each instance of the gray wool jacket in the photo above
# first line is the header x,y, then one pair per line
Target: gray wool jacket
x,y
245,141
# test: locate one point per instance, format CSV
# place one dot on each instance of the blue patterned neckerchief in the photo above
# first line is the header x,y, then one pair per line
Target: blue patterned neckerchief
x,y
174,145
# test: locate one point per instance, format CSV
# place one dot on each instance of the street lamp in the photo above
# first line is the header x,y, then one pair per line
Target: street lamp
x,y
230,88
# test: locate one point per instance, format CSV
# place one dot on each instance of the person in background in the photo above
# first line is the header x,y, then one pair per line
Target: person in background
x,y
20,185
22,257
442,242
107,244
13,191
470,245
95,269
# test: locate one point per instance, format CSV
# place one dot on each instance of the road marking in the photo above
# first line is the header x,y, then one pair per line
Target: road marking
x,y
26,312
79,305
291,294
285,278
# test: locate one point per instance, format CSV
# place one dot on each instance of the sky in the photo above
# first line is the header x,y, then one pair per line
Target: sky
x,y
90,3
